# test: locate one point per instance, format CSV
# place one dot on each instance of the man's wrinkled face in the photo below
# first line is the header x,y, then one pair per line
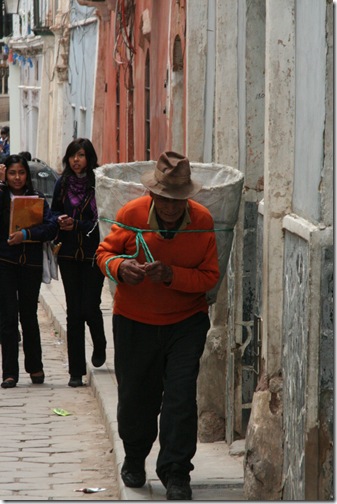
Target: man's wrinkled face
x,y
169,210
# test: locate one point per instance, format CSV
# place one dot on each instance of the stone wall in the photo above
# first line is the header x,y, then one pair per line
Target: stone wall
x,y
264,443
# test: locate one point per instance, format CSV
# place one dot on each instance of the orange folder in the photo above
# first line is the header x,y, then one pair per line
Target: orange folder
x,y
25,212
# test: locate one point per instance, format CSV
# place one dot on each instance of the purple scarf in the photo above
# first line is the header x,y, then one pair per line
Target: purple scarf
x,y
78,193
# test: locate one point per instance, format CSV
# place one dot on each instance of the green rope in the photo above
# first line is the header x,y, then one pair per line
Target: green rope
x,y
140,242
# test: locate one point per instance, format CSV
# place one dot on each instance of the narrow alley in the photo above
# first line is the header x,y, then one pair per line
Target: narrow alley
x,y
245,91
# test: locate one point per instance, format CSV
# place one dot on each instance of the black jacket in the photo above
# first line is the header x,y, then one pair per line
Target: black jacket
x,y
80,243
26,253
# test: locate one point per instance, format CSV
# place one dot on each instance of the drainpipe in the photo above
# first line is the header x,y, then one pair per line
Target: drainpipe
x,y
210,82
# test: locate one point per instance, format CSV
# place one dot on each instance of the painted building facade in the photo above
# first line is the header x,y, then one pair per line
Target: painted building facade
x,y
52,56
144,80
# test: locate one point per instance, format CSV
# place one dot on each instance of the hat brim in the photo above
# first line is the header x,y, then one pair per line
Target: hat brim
x,y
170,191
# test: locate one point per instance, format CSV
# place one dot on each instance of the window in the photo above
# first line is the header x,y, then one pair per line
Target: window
x,y
178,60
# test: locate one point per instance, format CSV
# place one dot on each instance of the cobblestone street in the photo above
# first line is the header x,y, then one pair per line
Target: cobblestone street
x,y
45,456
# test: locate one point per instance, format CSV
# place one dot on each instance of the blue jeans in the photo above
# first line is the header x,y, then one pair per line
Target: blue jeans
x,y
156,369
19,293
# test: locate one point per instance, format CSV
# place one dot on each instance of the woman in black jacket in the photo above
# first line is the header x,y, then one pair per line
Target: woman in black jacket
x,y
74,204
21,276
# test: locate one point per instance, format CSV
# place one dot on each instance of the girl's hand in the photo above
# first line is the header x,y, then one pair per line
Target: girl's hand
x,y
15,238
65,223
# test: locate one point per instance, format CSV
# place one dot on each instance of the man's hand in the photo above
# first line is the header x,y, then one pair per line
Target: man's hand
x,y
158,272
131,272
15,238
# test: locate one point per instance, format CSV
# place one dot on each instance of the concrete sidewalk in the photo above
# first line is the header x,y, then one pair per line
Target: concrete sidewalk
x,y
217,474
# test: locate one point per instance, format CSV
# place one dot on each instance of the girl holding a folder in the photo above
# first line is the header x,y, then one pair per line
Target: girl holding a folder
x,y
21,269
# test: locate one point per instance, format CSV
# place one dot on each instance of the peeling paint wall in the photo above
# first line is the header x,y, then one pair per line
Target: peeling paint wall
x,y
294,287
196,50
310,107
326,379
295,348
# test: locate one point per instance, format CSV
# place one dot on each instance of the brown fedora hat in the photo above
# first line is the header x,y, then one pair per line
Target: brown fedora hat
x,y
171,177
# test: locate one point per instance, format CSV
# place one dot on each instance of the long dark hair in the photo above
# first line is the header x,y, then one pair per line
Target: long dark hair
x,y
90,154
15,159
91,157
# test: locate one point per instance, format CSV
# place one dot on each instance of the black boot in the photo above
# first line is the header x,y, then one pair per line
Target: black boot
x,y
133,473
178,488
98,357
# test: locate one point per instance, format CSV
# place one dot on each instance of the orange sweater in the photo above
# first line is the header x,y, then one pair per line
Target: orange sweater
x,y
192,257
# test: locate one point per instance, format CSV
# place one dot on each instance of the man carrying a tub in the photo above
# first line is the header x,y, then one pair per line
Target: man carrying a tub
x,y
162,254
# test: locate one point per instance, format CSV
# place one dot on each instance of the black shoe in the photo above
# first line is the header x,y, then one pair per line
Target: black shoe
x,y
8,383
98,358
133,475
37,378
178,489
75,381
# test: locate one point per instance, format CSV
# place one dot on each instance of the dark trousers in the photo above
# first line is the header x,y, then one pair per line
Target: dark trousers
x,y
19,293
157,369
83,283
